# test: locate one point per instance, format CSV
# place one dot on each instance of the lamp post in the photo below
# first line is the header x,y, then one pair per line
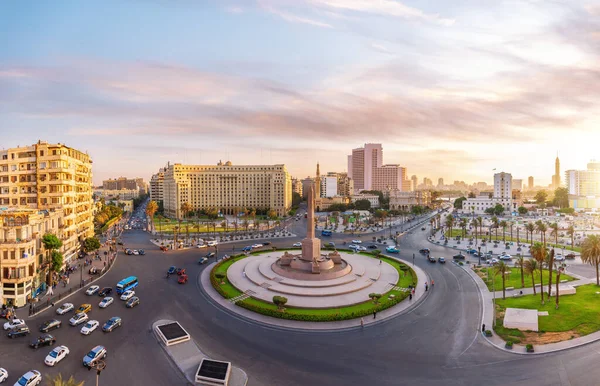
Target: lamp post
x,y
98,366
479,254
80,275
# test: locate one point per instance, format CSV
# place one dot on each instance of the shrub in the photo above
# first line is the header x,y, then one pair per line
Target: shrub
x,y
529,347
509,344
488,333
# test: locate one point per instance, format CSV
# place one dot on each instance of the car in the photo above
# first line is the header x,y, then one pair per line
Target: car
x,y
67,307
442,260
361,248
105,291
202,260
111,324
559,257
331,244
458,256
255,246
423,228
372,246
212,243
127,295
266,243
78,318
92,290
50,325
297,245
30,378
172,270
95,354
180,271
163,248
182,279
431,259
119,243
141,252
424,250
210,255
136,252
89,327
471,251
570,256
505,256
18,331
93,271
85,308
392,249
135,301
107,301
353,246
493,261
13,323
43,340
58,354
128,252
356,242
249,248
3,375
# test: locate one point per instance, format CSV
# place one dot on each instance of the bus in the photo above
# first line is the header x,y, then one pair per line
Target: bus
x,y
325,232
127,284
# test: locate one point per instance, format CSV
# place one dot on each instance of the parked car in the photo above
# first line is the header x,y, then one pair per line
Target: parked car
x,y
13,323
442,260
392,249
30,378
249,248
424,250
372,246
90,327
423,228
202,260
505,256
297,245
85,308
256,246
78,319
111,324
136,252
182,279
134,301
105,291
92,290
172,269
56,355
266,243
356,242
67,307
141,252
50,325
3,375
459,256
107,301
431,259
127,295
97,353
43,340
180,271
19,331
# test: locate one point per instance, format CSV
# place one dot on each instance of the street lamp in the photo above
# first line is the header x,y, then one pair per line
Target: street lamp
x,y
479,254
98,366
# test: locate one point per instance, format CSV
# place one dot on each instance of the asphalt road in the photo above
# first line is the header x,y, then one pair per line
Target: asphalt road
x,y
438,342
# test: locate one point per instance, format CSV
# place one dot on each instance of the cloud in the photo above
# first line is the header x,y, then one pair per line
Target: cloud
x,y
291,17
234,9
380,47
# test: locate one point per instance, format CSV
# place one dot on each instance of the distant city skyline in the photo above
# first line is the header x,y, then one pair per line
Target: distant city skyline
x,y
451,89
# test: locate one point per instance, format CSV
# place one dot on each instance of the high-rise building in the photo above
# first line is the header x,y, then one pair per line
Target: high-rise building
x,y
157,182
530,182
364,161
415,182
440,182
517,184
427,182
329,186
502,195
228,188
556,176
502,185
306,184
125,183
297,186
407,186
583,182
388,177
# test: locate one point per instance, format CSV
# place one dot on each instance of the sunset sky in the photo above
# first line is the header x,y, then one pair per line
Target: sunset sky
x,y
451,89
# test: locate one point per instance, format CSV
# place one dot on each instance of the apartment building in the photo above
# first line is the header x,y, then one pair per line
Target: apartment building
x,y
389,177
123,183
362,163
405,201
47,176
227,187
157,183
297,186
122,194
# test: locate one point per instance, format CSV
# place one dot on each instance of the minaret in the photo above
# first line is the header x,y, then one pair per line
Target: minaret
x,y
318,183
556,172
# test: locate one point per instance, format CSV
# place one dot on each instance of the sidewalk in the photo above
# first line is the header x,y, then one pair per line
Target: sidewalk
x,y
401,308
487,318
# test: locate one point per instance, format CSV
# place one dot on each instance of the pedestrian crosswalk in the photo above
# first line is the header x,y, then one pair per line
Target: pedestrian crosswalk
x,y
243,296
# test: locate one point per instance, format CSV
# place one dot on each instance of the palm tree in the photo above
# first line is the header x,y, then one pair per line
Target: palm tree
x,y
51,243
151,209
501,268
530,228
186,208
463,226
590,253
518,239
503,224
542,228
531,266
224,225
571,232
495,224
554,232
538,251
59,381
246,225
550,266
449,224
480,222
511,224
474,225
521,264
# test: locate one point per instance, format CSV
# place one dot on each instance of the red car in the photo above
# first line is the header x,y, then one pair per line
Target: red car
x,y
180,271
164,249
182,279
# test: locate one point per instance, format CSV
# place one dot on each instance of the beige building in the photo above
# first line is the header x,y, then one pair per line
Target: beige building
x,y
51,176
297,186
372,198
123,183
407,200
323,204
22,257
227,187
388,177
122,194
157,183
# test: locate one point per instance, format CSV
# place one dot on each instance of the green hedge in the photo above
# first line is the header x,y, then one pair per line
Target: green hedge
x,y
109,223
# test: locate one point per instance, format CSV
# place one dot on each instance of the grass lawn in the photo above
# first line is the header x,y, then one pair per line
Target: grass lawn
x,y
576,316
167,226
521,239
514,278
407,277
455,232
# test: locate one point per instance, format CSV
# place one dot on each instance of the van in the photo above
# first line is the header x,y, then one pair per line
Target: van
x,y
212,243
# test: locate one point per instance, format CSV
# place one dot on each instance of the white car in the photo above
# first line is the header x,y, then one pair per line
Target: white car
x,y
136,252
201,246
13,323
67,307
3,375
361,248
356,242
90,327
127,295
92,290
505,257
30,378
297,245
107,301
78,319
559,257
493,261
213,243
56,355
353,246
254,246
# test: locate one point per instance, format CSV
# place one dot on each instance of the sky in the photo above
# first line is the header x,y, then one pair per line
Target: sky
x,y
452,89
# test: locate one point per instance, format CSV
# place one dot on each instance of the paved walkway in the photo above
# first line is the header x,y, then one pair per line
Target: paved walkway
x,y
400,308
488,319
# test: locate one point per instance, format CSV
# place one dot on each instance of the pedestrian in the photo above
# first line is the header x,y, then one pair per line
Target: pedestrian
x,y
362,322
379,262
432,283
483,327
374,314
426,287
413,292
410,296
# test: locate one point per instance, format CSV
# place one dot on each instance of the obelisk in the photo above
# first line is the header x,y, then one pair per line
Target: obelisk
x,y
311,246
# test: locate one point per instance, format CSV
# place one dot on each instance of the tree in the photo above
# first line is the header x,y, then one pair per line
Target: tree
x,y
280,301
186,208
458,203
561,198
51,242
495,225
541,227
381,215
375,297
554,232
541,197
272,214
57,260
59,381
471,195
449,224
520,262
530,228
151,209
550,266
480,222
522,210
220,276
474,224
531,267
463,226
559,271
296,199
501,268
91,244
590,253
571,232
503,224
538,251
362,205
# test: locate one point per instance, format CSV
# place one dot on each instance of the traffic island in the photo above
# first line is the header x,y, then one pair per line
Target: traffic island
x,y
196,366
